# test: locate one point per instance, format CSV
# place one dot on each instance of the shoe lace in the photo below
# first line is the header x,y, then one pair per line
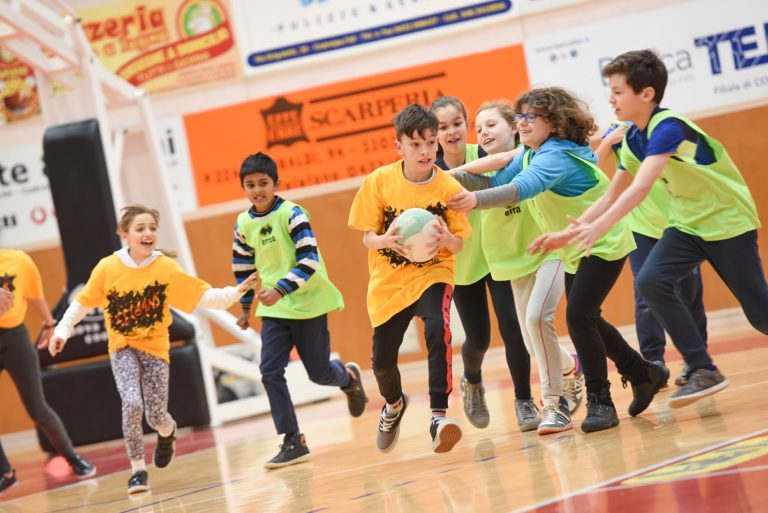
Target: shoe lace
x,y
473,396
624,382
387,421
527,409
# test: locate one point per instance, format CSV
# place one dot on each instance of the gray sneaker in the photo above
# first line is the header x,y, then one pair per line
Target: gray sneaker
x,y
701,383
554,419
389,427
573,385
473,398
527,414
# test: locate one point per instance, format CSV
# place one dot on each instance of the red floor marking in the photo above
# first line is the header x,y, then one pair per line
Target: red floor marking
x,y
740,488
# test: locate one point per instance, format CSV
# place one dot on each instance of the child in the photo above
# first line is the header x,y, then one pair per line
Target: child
x,y
136,286
557,173
647,223
20,284
537,282
399,289
274,236
712,215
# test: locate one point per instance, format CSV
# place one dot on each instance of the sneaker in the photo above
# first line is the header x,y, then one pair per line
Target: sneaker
x,y
666,371
81,467
389,427
527,414
445,434
684,375
473,399
356,397
601,413
139,482
293,450
7,482
573,385
643,392
700,383
555,418
166,446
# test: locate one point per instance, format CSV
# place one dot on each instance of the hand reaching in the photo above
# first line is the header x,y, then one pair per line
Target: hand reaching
x,y
56,345
464,201
251,282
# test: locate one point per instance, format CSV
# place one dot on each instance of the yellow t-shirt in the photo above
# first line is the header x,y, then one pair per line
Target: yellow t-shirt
x,y
20,276
395,282
137,301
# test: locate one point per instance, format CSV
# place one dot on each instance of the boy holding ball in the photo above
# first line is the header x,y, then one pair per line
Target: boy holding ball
x,y
400,289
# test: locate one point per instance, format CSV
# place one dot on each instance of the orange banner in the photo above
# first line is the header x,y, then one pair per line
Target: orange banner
x,y
337,131
164,44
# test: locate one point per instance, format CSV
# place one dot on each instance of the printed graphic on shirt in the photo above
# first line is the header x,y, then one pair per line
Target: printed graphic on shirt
x,y
6,282
395,260
134,313
266,235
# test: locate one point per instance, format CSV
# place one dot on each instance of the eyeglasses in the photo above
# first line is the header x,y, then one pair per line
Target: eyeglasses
x,y
529,117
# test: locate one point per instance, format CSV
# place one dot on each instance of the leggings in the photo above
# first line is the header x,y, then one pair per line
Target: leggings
x,y
138,373
19,358
472,305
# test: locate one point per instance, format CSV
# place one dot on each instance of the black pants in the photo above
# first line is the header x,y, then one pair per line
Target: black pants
x,y
650,333
472,305
434,308
735,260
19,358
593,337
313,343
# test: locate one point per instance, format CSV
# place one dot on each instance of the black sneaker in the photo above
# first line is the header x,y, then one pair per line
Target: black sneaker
x,y
81,467
166,446
7,482
643,391
666,371
139,482
293,450
356,397
389,427
601,413
445,433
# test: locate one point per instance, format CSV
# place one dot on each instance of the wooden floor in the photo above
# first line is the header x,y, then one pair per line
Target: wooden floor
x,y
708,457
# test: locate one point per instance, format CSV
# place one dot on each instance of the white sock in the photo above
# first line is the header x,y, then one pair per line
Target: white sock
x,y
395,408
138,465
551,400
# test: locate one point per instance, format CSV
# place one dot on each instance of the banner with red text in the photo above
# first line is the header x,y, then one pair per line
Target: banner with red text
x,y
164,44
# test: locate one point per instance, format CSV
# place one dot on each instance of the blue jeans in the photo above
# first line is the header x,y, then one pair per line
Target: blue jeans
x,y
650,334
313,343
736,261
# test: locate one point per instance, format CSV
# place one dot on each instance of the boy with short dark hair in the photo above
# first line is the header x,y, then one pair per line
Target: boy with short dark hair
x,y
274,237
712,215
400,289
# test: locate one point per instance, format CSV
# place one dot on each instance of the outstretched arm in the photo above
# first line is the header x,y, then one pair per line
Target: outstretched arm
x,y
74,314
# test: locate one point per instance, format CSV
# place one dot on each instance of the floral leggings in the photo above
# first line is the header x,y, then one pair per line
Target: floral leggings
x,y
138,373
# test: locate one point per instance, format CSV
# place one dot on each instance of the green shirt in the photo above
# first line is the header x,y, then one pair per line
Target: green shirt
x,y
710,201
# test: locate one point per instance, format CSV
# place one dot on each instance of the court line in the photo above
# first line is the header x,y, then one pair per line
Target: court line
x,y
634,473
209,487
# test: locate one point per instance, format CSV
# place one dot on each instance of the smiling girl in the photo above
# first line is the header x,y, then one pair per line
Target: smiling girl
x,y
136,286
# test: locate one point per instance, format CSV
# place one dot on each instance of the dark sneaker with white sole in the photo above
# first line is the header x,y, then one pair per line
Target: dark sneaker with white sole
x,y
80,466
139,482
644,390
445,434
356,397
389,427
701,383
293,450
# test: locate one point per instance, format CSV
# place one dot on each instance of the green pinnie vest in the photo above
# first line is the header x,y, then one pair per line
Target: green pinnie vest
x,y
553,208
470,261
710,201
275,256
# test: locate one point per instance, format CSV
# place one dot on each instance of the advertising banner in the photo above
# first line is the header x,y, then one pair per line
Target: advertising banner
x,y
18,89
160,45
340,130
717,58
26,208
295,30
